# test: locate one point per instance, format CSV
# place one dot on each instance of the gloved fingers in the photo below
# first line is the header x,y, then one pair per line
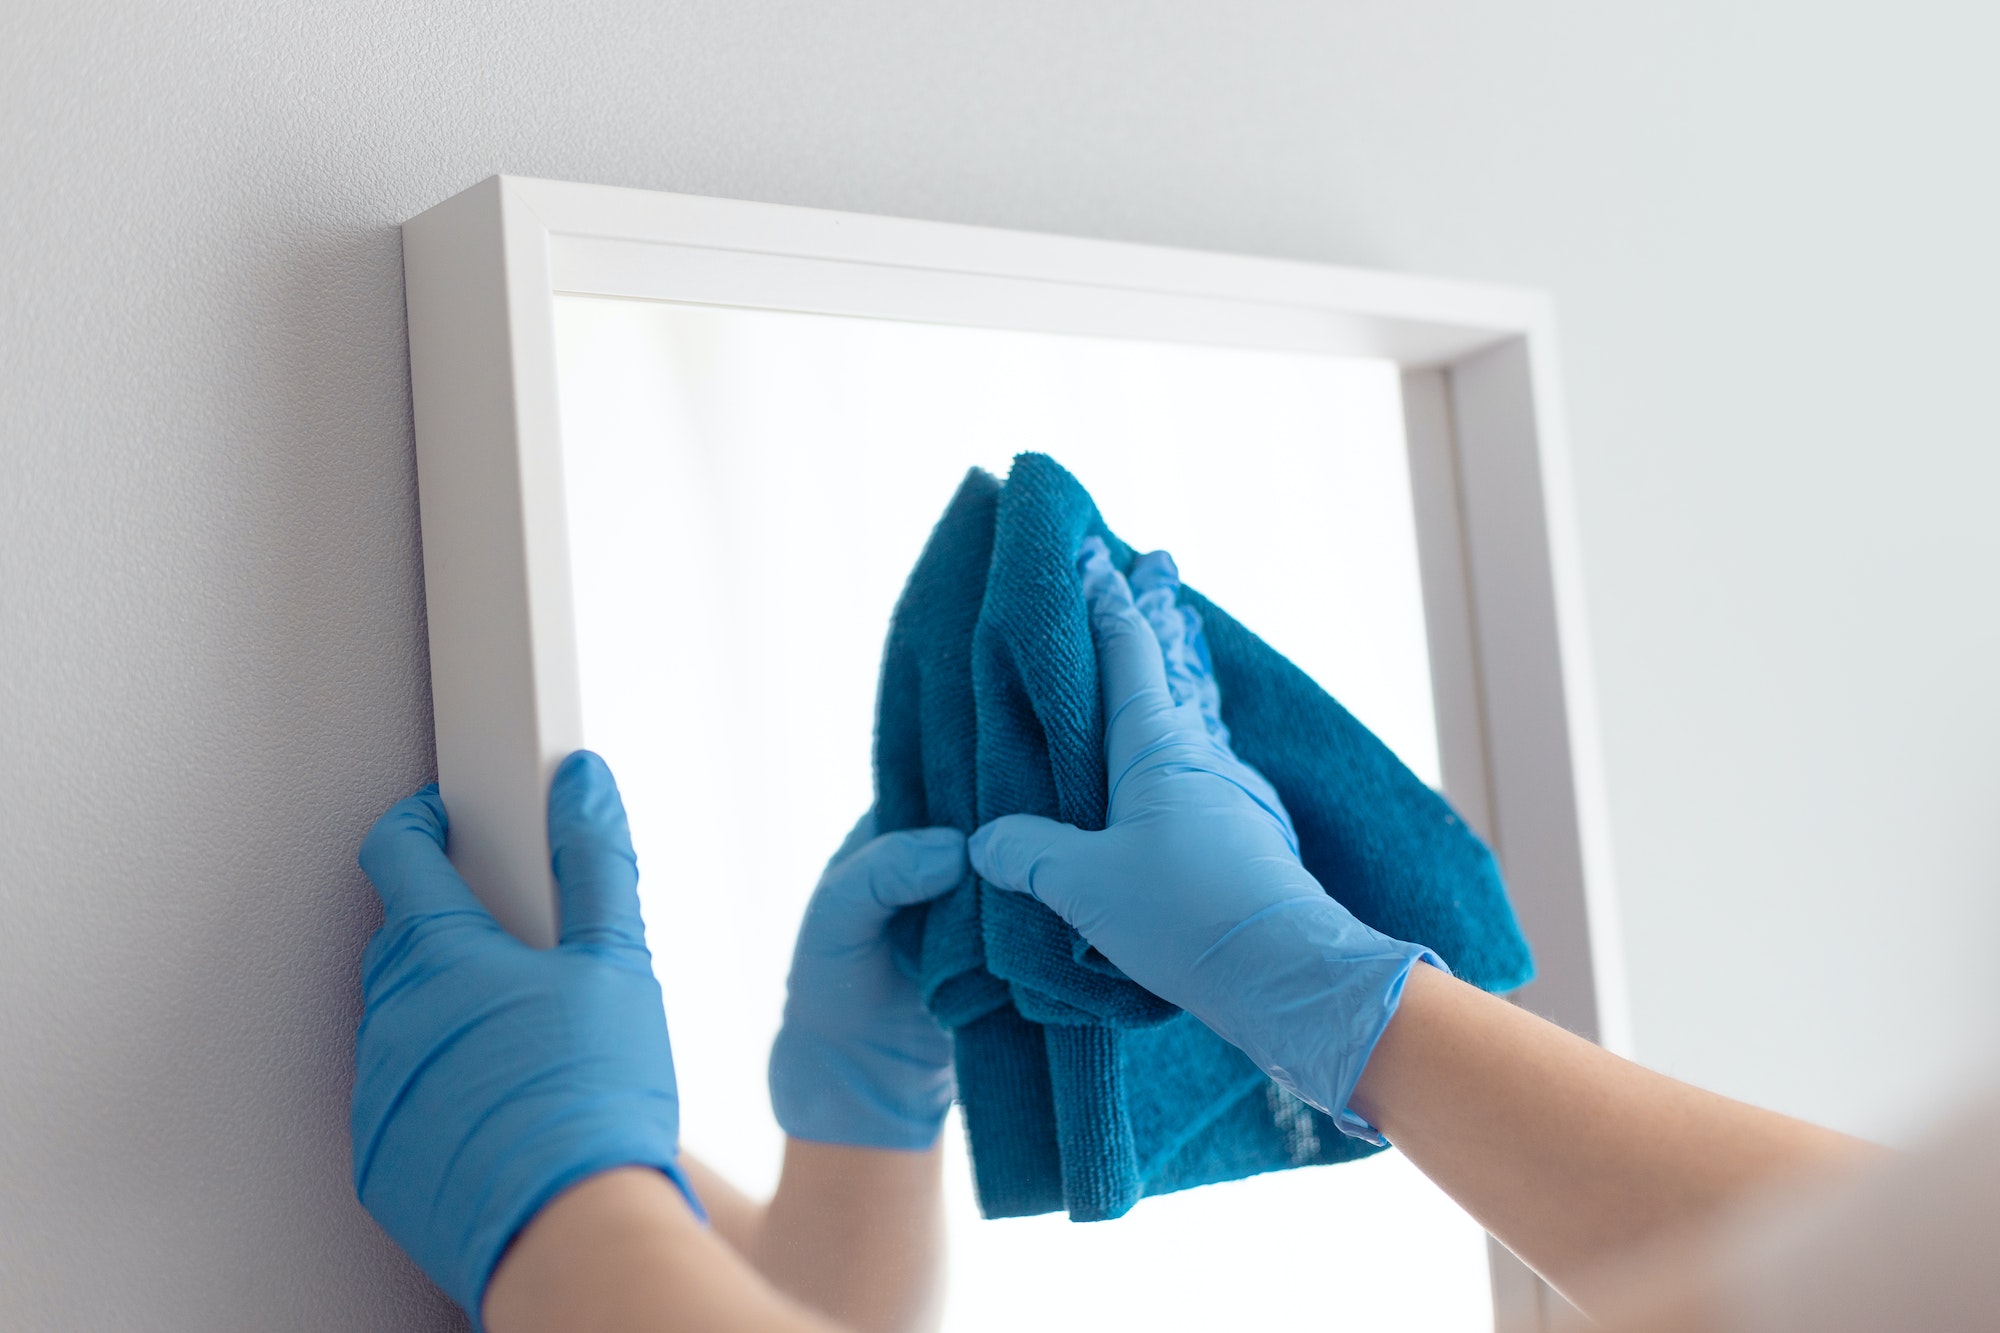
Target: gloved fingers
x,y
1018,853
1259,789
1139,710
899,870
590,846
858,895
403,857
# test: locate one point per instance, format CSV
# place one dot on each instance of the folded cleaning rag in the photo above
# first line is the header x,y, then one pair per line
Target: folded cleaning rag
x,y
1081,1090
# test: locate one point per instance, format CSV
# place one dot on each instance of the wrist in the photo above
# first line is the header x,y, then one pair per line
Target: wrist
x,y
583,1259
1310,991
1381,1090
538,1168
456,1203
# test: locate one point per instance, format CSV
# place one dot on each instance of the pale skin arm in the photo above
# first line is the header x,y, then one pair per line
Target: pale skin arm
x,y
1600,1174
852,1239
1575,1159
623,1253
855,1232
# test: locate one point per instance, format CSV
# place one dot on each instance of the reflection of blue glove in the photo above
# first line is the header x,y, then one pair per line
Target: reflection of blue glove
x,y
1194,887
490,1076
859,1059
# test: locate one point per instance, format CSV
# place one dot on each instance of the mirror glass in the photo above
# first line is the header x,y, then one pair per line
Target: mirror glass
x,y
746,492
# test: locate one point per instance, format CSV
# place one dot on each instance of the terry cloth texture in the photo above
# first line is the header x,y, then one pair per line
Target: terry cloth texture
x,y
1081,1090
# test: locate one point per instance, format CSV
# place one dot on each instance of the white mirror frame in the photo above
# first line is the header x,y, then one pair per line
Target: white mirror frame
x,y
1497,543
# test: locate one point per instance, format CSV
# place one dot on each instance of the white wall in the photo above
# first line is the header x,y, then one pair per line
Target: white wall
x,y
1767,227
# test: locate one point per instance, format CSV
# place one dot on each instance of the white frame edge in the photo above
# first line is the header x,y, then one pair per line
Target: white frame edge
x,y
1489,460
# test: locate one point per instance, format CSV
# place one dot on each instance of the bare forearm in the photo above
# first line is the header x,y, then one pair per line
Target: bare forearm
x,y
622,1253
732,1214
1569,1155
858,1233
854,1232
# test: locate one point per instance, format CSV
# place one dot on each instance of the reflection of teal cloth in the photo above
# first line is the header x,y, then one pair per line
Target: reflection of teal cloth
x,y
1082,1091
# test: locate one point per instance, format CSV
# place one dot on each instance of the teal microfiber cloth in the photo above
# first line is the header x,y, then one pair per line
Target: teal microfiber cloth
x,y
1081,1091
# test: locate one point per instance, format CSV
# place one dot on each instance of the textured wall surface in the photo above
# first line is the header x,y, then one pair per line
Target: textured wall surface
x,y
1768,228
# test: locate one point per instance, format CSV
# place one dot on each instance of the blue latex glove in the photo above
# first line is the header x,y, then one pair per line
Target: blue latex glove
x,y
859,1059
1194,888
490,1076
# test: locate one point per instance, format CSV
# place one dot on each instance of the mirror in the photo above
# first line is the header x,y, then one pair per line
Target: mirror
x,y
746,491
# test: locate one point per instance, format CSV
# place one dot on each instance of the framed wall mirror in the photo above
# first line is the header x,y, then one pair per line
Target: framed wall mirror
x,y
676,456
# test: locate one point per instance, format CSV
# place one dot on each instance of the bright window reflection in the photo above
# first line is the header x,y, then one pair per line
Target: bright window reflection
x,y
747,491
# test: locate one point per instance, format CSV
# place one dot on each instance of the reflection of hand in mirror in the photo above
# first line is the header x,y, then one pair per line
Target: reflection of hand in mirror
x,y
860,1080
859,1060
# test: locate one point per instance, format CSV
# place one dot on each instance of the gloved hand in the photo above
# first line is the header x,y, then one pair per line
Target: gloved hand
x,y
1194,888
859,1060
490,1076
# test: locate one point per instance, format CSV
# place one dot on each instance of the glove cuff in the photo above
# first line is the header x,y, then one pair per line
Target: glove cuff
x,y
1309,1008
505,1188
1347,1120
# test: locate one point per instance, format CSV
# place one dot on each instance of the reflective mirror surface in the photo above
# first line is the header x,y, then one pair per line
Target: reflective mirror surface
x,y
747,491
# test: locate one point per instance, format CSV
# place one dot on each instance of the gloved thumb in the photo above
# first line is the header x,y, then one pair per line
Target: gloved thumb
x,y
590,842
1032,855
